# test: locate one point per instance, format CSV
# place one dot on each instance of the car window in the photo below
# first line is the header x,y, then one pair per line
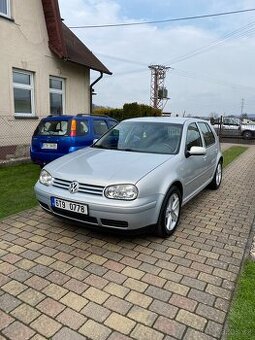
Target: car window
x,y
193,137
100,127
52,128
207,134
82,127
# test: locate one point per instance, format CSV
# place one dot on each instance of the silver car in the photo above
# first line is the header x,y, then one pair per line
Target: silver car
x,y
139,173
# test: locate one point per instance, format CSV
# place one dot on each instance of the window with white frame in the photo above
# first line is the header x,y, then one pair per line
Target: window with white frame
x,y
5,8
57,96
23,90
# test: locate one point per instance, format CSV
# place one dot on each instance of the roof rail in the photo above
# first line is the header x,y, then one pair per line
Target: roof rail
x,y
98,115
82,114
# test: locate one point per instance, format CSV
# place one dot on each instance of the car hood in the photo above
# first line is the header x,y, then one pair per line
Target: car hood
x,y
104,167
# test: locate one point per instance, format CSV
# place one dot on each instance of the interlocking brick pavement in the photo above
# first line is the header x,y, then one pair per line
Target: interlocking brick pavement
x,y
62,281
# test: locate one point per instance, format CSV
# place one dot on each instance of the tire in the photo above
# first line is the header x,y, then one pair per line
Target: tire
x,y
217,178
247,134
170,213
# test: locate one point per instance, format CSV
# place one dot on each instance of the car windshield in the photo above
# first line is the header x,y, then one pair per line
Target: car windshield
x,y
52,128
150,137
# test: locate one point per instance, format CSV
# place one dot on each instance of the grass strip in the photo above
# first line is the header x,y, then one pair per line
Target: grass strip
x,y
17,188
232,153
241,321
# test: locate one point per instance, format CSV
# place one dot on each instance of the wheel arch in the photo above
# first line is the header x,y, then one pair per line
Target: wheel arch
x,y
177,184
160,226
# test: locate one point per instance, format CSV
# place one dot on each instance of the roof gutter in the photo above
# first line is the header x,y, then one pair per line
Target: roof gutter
x,y
91,90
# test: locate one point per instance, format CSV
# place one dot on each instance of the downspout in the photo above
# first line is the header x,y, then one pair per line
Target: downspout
x,y
91,90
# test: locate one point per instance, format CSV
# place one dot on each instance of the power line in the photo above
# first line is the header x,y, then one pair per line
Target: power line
x,y
189,75
242,32
208,78
203,16
121,59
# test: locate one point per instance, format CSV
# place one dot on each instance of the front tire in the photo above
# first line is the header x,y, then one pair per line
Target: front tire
x,y
216,182
170,213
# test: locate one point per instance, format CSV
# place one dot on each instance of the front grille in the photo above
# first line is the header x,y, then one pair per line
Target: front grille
x,y
71,214
83,188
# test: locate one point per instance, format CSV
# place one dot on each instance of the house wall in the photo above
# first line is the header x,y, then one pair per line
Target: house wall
x,y
24,45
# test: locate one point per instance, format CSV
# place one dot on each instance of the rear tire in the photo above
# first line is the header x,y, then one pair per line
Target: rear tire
x,y
247,134
216,182
170,213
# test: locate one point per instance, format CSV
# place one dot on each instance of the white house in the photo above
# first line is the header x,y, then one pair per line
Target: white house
x,y
44,69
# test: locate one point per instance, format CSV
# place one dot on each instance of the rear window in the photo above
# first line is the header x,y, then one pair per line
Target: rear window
x,y
52,128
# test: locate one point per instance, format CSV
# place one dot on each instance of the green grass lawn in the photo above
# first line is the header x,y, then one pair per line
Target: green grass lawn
x,y
17,188
241,322
233,152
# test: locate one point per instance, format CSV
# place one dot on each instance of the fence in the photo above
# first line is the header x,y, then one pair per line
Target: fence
x,y
15,137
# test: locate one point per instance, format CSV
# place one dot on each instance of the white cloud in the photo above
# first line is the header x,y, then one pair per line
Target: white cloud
x,y
207,85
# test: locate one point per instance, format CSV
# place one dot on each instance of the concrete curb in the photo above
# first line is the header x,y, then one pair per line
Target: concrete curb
x,y
15,161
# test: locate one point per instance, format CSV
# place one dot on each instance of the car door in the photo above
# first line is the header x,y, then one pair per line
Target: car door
x,y
50,137
194,167
211,148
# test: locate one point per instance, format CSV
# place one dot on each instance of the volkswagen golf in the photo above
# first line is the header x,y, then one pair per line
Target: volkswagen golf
x,y
140,173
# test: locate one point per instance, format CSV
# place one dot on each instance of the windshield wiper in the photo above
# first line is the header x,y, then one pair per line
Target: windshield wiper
x,y
103,147
99,146
127,149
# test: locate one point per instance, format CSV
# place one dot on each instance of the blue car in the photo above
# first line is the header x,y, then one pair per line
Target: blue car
x,y
56,136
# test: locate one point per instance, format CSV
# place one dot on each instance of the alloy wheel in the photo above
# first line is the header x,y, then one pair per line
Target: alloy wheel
x,y
172,212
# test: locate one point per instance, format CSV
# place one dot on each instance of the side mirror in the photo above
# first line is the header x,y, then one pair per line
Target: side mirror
x,y
196,151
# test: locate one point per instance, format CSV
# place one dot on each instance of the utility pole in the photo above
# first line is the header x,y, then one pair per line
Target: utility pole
x,y
242,106
158,91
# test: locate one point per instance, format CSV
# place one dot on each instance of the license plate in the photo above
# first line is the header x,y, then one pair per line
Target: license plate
x,y
69,205
51,146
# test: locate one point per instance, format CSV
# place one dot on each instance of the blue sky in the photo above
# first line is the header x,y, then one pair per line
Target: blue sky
x,y
214,81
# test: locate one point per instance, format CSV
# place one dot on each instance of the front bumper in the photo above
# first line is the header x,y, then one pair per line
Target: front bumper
x,y
104,212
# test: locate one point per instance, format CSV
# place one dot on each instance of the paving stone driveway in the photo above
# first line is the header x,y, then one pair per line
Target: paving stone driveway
x,y
60,281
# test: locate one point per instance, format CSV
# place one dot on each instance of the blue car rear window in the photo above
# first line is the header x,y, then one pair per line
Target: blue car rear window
x,y
52,128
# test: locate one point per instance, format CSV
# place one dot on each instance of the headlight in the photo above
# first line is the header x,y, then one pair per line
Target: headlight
x,y
45,178
125,192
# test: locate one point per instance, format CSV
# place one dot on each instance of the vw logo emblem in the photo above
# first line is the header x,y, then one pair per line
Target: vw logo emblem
x,y
73,187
